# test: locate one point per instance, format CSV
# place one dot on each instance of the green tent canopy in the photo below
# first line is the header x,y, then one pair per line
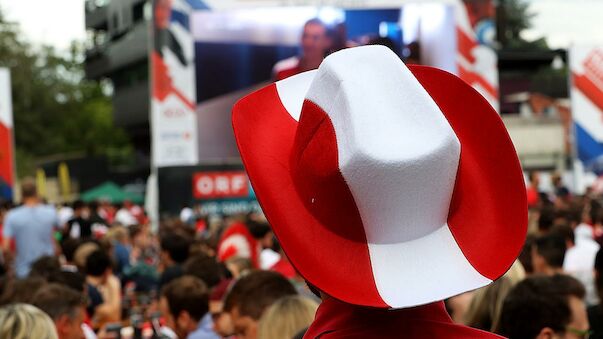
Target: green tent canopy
x,y
111,192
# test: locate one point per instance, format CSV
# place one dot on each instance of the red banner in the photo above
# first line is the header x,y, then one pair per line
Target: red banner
x,y
220,185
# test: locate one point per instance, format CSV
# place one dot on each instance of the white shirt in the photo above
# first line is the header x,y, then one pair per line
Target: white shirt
x,y
580,261
268,258
124,217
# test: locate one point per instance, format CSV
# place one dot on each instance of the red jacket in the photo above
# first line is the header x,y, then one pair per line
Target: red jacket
x,y
335,319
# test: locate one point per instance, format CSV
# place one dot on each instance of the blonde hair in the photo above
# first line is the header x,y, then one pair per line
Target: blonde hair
x,y
82,253
486,305
23,321
287,317
118,233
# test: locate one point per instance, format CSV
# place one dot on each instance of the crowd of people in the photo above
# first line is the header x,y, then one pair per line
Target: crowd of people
x,y
98,270
555,287
230,280
86,277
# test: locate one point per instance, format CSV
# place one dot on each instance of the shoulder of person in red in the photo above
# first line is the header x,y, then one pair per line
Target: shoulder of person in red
x,y
336,319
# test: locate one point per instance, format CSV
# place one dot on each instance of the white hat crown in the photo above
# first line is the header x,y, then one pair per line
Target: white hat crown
x,y
396,150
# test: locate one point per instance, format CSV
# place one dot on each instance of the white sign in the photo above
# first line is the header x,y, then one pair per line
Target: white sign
x,y
586,67
174,98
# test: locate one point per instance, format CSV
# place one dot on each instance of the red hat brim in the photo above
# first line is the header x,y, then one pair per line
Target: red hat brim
x,y
487,216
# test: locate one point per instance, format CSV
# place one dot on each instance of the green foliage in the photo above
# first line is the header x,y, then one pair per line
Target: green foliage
x,y
56,110
513,16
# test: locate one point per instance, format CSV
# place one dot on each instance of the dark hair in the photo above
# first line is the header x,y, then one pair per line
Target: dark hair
x,y
565,232
258,229
73,280
97,263
574,213
316,21
134,230
595,211
28,188
19,291
57,300
78,204
205,268
546,218
188,294
176,246
552,248
44,267
255,292
539,302
69,246
525,257
93,205
383,41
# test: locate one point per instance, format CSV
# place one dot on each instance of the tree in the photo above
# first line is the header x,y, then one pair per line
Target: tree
x,y
56,109
513,16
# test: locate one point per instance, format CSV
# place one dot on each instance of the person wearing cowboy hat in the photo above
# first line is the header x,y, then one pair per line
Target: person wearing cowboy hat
x,y
390,188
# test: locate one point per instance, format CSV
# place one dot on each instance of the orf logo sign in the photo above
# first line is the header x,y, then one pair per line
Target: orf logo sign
x,y
213,185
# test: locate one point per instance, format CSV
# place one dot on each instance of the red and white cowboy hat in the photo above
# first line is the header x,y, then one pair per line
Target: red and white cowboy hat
x,y
387,186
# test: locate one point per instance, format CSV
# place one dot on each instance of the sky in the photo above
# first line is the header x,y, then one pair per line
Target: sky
x,y
564,22
58,22
50,22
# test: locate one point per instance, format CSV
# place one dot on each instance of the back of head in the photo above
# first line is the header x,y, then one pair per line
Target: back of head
x,y
82,252
117,233
28,188
69,246
255,292
486,304
134,230
552,248
205,268
74,280
57,301
20,291
539,302
546,219
258,229
22,321
286,317
188,294
176,246
97,263
44,267
564,231
78,205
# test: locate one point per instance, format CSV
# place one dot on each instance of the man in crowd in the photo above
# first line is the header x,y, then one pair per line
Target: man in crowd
x,y
65,306
580,257
185,303
205,268
545,307
315,43
31,226
174,252
548,253
251,296
104,289
79,226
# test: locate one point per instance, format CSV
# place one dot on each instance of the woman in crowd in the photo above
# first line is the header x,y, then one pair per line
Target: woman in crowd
x,y
287,317
23,321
